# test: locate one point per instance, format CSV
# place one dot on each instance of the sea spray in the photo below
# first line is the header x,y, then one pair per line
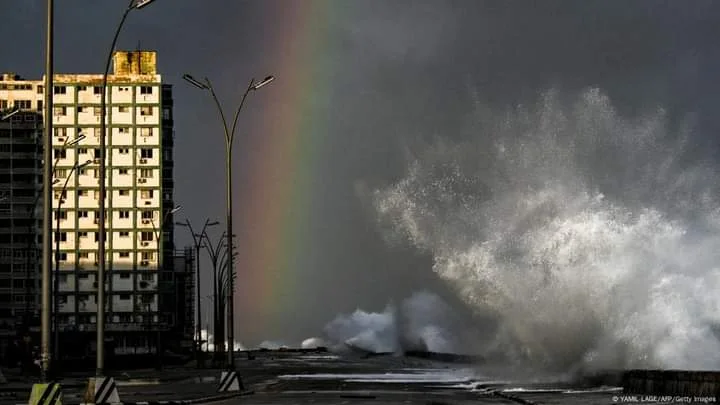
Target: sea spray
x,y
422,322
593,238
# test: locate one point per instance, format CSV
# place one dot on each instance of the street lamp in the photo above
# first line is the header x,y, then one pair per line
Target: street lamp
x,y
196,242
158,235
100,344
214,253
47,200
56,281
229,136
31,214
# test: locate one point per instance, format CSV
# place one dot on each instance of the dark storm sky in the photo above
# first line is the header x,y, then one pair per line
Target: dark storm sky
x,y
408,71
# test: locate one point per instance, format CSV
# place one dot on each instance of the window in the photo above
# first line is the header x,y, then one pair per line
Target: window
x,y
124,151
80,109
82,214
146,173
124,192
82,88
147,255
123,88
146,236
96,173
60,173
84,255
123,214
124,234
124,297
123,171
59,90
96,153
97,90
146,277
82,151
97,111
146,194
125,276
23,104
97,236
40,89
146,111
82,193
124,130
124,254
147,214
82,234
40,105
3,104
60,131
59,111
82,172
146,90
123,109
146,153
61,215
145,131
63,237
59,153
63,256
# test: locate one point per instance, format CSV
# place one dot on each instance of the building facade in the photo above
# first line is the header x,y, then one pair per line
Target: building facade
x,y
141,281
20,178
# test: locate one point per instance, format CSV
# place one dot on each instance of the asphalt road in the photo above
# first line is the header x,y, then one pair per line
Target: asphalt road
x,y
323,378
291,378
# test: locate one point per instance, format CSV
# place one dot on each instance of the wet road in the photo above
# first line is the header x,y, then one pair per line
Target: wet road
x,y
292,378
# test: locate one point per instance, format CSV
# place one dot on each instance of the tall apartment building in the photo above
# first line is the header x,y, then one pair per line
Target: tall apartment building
x,y
20,171
141,284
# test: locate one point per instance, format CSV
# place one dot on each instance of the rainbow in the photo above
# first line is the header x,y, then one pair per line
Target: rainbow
x,y
274,208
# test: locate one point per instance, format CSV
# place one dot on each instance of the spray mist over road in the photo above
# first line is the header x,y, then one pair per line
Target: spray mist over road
x,y
592,239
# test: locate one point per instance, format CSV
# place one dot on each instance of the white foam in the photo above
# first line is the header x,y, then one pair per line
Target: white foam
x,y
594,239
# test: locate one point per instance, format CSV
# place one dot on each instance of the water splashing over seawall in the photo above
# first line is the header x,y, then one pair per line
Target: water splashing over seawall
x,y
593,239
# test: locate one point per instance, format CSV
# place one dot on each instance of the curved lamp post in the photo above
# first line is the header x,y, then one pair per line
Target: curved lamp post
x,y
197,239
33,209
100,344
56,279
214,253
229,136
158,235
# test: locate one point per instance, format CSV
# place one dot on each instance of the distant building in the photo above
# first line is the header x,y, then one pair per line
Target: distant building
x,y
142,284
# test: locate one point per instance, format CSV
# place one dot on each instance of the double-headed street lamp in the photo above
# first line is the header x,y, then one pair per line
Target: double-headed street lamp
x,y
158,233
197,240
229,136
56,280
33,208
215,258
100,344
